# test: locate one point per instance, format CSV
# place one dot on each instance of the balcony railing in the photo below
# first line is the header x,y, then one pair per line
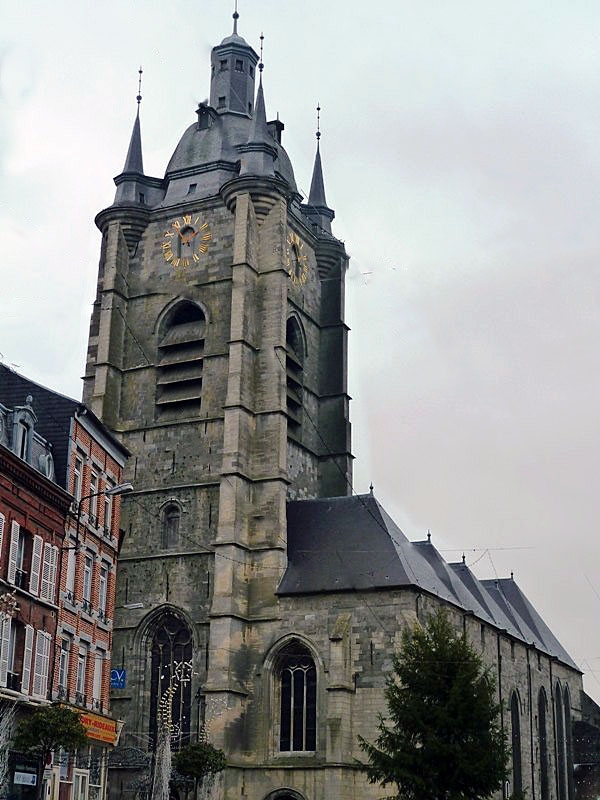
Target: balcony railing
x,y
13,681
102,616
86,605
80,699
62,693
70,596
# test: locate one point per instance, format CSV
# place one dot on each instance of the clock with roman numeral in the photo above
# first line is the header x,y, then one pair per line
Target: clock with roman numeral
x,y
185,241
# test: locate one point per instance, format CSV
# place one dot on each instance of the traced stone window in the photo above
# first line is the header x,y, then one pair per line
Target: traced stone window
x,y
560,744
296,683
294,367
169,525
515,721
181,354
171,689
543,741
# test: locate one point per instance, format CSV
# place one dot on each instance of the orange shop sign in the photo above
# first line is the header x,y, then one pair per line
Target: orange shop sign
x,y
103,729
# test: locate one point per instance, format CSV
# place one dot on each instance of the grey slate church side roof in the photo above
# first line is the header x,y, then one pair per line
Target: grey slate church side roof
x,y
339,544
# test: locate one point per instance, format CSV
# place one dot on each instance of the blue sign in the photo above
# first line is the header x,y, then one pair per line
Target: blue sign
x,y
118,678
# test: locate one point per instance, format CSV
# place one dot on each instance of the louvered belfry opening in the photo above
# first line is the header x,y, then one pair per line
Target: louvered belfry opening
x,y
180,361
294,367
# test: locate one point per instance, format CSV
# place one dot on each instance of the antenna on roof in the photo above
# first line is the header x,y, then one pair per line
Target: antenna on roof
x,y
236,16
318,134
139,94
261,66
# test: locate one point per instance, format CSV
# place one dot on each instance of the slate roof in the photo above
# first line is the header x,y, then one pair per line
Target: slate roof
x,y
340,544
54,413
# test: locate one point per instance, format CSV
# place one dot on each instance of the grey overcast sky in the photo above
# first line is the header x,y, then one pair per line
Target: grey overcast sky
x,y
461,152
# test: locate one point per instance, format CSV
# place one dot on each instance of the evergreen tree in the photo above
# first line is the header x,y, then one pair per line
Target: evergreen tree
x,y
442,738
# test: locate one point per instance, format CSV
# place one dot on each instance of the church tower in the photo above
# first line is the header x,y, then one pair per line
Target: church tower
x,y
217,353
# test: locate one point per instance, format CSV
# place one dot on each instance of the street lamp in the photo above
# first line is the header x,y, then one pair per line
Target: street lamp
x,y
112,491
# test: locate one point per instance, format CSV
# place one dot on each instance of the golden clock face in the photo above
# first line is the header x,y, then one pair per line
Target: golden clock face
x,y
185,241
296,260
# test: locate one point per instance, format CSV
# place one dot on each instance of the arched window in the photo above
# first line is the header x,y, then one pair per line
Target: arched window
x,y
170,686
296,685
543,741
180,360
515,722
295,352
560,744
169,525
568,743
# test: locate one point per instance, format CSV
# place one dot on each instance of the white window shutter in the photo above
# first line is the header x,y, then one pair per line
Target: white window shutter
x,y
70,584
98,676
52,579
27,653
46,569
38,665
46,638
12,554
2,518
4,647
36,559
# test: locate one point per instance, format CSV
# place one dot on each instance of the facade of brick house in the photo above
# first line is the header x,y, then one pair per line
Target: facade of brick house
x,y
84,464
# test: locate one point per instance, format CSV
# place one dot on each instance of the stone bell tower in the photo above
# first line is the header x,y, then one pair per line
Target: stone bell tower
x,y
217,353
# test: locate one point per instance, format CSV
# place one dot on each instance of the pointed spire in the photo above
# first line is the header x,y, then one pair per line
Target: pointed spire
x,y
316,196
259,153
259,131
134,161
236,16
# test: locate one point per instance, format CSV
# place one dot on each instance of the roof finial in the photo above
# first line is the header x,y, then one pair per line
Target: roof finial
x,y
261,66
371,487
464,560
236,16
139,94
318,123
428,535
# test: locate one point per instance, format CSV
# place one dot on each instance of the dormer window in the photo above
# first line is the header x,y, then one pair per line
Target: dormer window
x,y
22,440
239,65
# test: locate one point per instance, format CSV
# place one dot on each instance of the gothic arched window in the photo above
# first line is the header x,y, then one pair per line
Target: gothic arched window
x,y
294,364
296,687
180,360
170,685
543,739
560,744
169,525
515,721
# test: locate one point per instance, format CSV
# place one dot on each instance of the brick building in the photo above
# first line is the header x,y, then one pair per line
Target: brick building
x,y
73,567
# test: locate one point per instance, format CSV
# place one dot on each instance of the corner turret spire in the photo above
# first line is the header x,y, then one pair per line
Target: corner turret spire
x,y
259,153
317,204
134,161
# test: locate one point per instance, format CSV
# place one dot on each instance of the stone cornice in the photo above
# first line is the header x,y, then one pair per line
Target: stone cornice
x,y
22,472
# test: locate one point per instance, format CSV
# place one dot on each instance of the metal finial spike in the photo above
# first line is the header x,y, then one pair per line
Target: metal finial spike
x,y
371,487
139,94
236,16
512,575
428,535
464,560
261,66
318,122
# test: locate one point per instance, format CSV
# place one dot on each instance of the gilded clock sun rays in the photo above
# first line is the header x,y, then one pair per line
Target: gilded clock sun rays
x,y
185,241
296,260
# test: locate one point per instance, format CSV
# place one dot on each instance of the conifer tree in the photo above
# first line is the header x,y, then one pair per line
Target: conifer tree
x,y
441,738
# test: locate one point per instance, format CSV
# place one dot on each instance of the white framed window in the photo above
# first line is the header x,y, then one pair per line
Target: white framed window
x,y
63,664
103,588
108,509
80,785
70,578
80,680
88,566
77,478
93,501
97,689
